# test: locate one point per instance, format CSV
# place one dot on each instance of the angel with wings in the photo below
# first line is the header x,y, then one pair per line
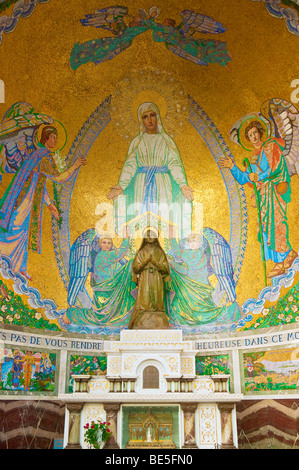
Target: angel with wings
x,y
21,206
109,270
272,135
111,19
188,298
96,255
178,39
197,264
204,257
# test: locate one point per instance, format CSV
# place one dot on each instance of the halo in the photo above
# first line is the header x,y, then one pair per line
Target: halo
x,y
156,10
62,135
151,229
241,132
145,85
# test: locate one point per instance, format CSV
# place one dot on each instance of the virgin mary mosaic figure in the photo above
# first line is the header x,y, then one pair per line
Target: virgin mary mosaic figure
x,y
153,178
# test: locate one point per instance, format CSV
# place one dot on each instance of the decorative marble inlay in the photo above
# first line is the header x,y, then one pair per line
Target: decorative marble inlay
x,y
114,365
98,385
129,362
151,335
148,345
93,412
172,362
187,365
207,425
203,385
150,339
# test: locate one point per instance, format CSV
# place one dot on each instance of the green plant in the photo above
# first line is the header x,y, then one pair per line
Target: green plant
x,y
290,3
284,312
96,433
15,312
5,4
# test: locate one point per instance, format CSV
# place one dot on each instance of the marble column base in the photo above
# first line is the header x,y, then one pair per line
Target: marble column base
x,y
228,446
190,446
111,446
73,446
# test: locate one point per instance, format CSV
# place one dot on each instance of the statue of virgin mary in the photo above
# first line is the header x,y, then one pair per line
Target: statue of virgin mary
x,y
150,272
153,178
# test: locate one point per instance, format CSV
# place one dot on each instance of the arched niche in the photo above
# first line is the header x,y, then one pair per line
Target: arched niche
x,y
150,378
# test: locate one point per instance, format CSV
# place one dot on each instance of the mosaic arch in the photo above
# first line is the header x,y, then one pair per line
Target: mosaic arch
x,y
61,232
51,271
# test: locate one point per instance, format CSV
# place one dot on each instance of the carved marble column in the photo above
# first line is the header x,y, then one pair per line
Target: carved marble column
x,y
227,440
74,425
189,410
111,417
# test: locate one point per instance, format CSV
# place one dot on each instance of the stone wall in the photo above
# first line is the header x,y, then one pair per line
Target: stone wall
x,y
33,424
268,424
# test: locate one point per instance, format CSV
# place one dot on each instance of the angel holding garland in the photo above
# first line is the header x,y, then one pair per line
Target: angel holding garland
x,y
274,160
178,39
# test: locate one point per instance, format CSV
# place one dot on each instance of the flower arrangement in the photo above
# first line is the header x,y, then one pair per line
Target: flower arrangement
x,y
96,434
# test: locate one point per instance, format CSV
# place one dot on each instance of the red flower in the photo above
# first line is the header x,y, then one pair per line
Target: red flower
x,y
92,426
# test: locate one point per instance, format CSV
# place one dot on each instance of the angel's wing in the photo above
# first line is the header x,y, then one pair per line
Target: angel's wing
x,y
181,52
284,119
79,264
199,51
105,17
234,131
18,129
195,22
14,149
221,261
142,14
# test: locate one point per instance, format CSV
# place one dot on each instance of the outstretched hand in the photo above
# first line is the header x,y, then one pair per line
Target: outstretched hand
x,y
226,162
187,191
114,192
79,162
